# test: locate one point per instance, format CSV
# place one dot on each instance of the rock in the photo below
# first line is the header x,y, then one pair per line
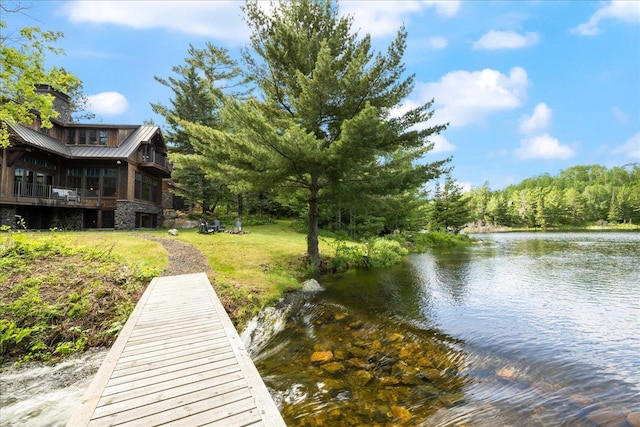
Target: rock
x,y
387,381
173,232
321,356
190,224
360,364
360,378
311,285
580,400
333,367
340,316
401,414
633,418
507,373
607,417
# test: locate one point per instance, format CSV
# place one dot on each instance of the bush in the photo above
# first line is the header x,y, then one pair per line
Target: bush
x,y
383,252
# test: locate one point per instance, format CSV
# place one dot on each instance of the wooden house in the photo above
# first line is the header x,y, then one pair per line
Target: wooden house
x,y
79,176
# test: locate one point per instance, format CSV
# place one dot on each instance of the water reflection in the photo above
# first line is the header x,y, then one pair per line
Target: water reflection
x,y
452,269
525,329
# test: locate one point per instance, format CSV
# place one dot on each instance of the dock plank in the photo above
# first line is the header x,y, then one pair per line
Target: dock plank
x,y
178,361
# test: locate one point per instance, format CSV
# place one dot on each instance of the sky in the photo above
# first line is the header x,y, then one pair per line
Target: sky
x,y
527,87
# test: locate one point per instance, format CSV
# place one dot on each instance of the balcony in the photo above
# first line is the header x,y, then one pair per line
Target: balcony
x,y
36,194
155,163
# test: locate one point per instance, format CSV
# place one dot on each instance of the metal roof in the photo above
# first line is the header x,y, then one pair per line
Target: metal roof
x,y
143,134
40,140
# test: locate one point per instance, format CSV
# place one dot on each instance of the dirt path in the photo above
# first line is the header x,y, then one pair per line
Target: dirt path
x,y
183,258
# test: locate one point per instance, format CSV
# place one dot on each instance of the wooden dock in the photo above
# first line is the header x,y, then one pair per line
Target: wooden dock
x,y
178,361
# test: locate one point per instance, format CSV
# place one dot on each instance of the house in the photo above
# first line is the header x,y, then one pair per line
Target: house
x,y
79,176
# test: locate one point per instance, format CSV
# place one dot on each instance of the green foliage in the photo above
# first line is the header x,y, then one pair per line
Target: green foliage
x,y
376,252
321,125
577,196
76,301
448,210
199,87
23,61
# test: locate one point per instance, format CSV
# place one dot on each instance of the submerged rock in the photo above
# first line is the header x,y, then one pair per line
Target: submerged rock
x,y
507,374
402,414
633,418
333,367
321,356
607,417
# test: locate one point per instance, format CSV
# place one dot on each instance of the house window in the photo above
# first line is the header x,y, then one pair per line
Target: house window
x,y
109,177
92,182
93,137
103,137
71,136
82,136
74,178
146,187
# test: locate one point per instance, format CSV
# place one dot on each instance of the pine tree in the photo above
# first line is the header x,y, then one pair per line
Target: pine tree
x,y
327,120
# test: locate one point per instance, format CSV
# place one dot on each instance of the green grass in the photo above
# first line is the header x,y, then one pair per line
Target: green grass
x,y
64,291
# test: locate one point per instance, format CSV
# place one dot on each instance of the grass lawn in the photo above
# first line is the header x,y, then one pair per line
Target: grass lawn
x,y
252,269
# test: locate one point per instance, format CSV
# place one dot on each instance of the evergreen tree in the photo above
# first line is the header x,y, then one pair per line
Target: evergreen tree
x,y
199,87
449,210
327,120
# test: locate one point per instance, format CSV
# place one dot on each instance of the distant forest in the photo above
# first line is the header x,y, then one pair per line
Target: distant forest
x,y
580,195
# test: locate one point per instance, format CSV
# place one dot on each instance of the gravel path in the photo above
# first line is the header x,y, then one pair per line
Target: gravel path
x,y
183,258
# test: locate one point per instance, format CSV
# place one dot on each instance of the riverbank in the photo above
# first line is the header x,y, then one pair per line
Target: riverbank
x,y
64,292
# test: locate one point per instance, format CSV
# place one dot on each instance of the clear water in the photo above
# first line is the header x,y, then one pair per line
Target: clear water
x,y
527,330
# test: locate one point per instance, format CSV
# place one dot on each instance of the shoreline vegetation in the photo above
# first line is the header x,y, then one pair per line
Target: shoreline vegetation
x,y
491,228
65,292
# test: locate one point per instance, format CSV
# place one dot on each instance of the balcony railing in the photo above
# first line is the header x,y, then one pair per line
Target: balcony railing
x,y
158,159
42,191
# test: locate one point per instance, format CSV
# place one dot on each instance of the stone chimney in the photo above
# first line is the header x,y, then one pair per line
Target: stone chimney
x,y
61,102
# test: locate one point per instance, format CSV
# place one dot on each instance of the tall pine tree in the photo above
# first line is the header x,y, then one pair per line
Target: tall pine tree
x,y
327,118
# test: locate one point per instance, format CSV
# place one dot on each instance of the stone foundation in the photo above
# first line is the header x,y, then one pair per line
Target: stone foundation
x,y
8,216
126,210
67,219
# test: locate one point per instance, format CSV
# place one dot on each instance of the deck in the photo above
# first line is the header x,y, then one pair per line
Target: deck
x,y
178,361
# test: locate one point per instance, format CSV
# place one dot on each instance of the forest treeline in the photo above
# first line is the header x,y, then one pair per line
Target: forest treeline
x,y
577,196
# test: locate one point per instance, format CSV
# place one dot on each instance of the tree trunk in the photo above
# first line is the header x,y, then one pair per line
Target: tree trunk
x,y
240,205
313,251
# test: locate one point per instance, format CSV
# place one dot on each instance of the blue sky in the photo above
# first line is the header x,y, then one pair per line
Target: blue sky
x,y
528,87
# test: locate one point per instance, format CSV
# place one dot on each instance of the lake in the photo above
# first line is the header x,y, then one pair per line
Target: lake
x,y
520,329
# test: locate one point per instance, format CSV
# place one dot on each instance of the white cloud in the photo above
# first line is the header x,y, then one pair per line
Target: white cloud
x,y
437,42
631,148
221,20
384,18
444,7
505,40
538,121
619,115
465,186
623,10
464,97
441,144
543,147
107,103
